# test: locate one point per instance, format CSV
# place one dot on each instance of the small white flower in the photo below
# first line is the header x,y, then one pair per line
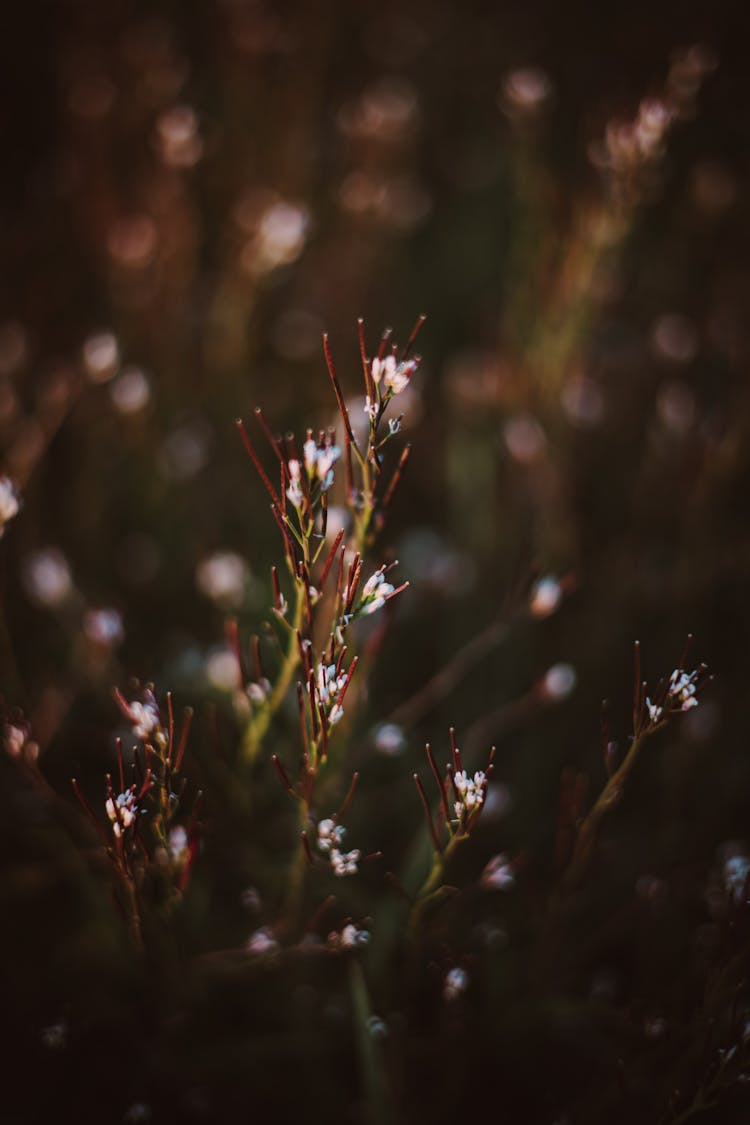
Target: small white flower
x,y
350,937
145,718
294,493
383,368
294,469
375,593
330,835
682,687
328,683
394,425
345,863
371,409
326,458
122,810
397,378
654,711
310,452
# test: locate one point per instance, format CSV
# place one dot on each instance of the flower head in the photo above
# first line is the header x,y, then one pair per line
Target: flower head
x,y
122,810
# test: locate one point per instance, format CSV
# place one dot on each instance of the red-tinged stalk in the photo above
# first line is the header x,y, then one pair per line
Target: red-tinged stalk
x,y
331,557
348,798
427,814
250,449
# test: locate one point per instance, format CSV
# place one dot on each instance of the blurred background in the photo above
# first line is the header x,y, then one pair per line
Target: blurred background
x,y
192,195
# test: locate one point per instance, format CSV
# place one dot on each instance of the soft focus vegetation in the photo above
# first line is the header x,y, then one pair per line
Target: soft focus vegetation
x,y
193,194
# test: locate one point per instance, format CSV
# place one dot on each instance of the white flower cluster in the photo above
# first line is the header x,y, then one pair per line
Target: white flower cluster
x,y
470,791
122,810
395,376
330,838
350,937
375,593
681,695
145,717
10,503
318,462
329,686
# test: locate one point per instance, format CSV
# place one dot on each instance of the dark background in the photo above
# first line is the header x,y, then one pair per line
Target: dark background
x,y
419,189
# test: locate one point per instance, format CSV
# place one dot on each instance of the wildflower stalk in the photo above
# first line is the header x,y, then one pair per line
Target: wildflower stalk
x,y
470,794
261,720
293,899
608,799
433,889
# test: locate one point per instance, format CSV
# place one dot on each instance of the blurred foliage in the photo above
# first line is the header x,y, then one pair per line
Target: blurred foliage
x,y
192,195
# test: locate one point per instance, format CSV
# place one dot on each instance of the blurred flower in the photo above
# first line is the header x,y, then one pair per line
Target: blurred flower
x,y
387,110
186,450
736,875
103,627
525,90
558,682
223,577
17,740
525,439
221,669
350,937
674,338
178,140
101,357
546,596
498,875
130,391
47,578
455,984
675,406
583,401
261,942
10,502
389,739
132,241
178,844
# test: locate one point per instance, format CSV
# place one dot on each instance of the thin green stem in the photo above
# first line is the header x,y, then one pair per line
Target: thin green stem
x,y
610,796
432,888
261,720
